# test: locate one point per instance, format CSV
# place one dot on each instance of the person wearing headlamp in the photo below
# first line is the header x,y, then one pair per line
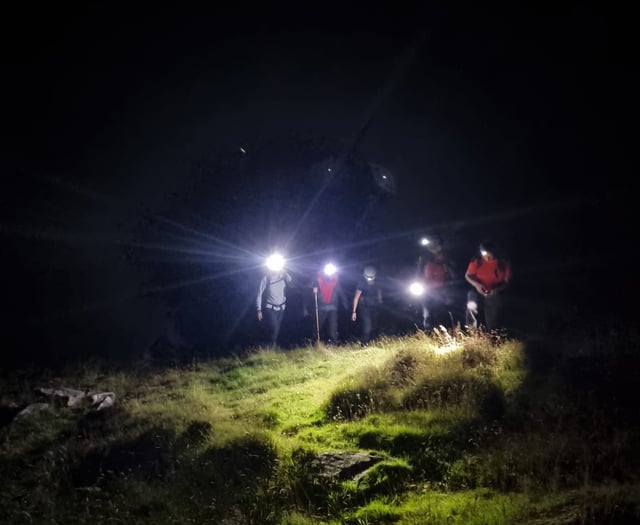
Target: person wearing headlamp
x,y
439,278
489,273
329,294
366,300
272,297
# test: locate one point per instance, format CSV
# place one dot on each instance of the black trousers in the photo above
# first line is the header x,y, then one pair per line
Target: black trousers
x,y
329,317
438,309
483,310
274,321
368,316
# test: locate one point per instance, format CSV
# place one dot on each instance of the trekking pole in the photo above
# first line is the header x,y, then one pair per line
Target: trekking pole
x,y
315,294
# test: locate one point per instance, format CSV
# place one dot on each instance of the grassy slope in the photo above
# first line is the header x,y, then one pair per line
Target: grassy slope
x,y
473,429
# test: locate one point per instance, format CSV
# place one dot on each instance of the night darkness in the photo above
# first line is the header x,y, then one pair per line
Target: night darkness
x,y
151,157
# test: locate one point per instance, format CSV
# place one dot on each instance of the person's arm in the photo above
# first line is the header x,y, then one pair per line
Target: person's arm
x,y
356,300
473,281
261,289
506,278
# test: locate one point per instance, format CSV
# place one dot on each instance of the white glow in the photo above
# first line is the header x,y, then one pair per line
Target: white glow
x,y
449,344
330,269
424,241
472,306
243,151
449,347
484,253
275,262
416,288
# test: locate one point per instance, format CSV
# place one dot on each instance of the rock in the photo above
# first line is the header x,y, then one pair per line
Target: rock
x,y
345,465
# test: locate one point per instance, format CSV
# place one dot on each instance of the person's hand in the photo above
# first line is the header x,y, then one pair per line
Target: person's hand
x,y
315,289
259,315
353,316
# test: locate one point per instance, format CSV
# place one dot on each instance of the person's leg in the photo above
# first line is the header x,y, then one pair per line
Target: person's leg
x,y
437,311
441,309
277,323
492,307
322,317
375,322
271,316
472,312
438,316
453,303
333,325
447,314
425,315
365,319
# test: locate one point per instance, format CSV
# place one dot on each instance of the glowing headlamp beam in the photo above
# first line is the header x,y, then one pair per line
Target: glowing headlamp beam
x,y
275,262
330,269
416,288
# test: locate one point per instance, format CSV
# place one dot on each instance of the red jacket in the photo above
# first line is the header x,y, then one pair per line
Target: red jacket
x,y
490,274
436,273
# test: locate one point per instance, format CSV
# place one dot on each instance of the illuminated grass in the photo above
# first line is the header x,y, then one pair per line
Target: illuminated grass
x,y
485,432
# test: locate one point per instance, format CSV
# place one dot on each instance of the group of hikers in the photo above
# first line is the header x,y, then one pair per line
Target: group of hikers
x,y
487,275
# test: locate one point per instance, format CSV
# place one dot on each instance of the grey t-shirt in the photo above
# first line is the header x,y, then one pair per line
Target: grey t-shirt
x,y
273,289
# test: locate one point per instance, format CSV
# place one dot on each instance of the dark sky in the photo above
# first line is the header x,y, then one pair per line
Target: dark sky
x,y
513,122
502,106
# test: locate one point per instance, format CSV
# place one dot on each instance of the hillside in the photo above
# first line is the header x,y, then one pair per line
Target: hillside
x,y
462,428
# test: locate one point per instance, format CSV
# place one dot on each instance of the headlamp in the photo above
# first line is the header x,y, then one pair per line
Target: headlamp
x,y
275,262
330,269
416,288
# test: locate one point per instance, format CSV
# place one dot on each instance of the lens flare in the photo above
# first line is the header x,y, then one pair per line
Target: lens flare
x,y
330,269
275,262
416,288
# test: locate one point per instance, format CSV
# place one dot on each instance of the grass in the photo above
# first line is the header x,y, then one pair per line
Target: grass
x,y
470,428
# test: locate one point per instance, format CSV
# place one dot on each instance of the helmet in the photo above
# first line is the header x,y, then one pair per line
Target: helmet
x,y
435,246
432,243
369,272
488,246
